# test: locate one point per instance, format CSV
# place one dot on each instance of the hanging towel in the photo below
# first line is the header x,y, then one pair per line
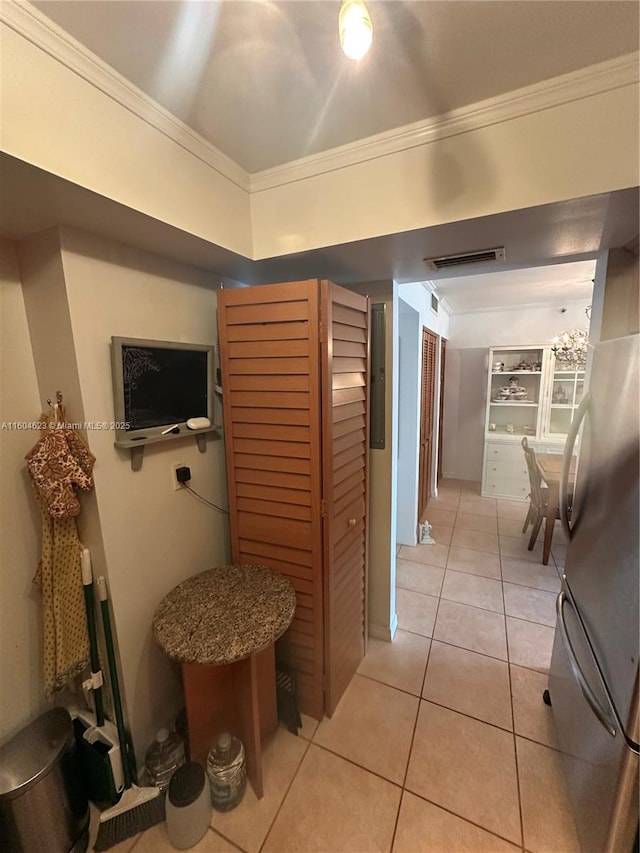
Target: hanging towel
x,y
59,576
59,462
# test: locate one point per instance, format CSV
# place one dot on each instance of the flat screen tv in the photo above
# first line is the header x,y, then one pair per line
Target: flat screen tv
x,y
158,386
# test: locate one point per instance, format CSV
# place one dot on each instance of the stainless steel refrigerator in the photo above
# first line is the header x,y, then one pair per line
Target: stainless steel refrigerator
x,y
593,681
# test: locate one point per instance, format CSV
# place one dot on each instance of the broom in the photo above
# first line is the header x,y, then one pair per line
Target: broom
x,y
138,808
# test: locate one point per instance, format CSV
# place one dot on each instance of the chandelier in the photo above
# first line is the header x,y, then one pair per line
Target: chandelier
x,y
570,348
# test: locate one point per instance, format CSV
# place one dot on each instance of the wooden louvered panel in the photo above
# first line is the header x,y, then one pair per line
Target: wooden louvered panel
x,y
349,333
268,332
348,499
270,378
245,415
348,425
271,382
249,460
283,449
345,457
240,315
298,482
261,528
349,395
298,497
260,366
349,365
345,461
429,345
354,348
294,557
281,347
348,380
347,470
350,439
278,510
273,432
267,399
347,411
346,485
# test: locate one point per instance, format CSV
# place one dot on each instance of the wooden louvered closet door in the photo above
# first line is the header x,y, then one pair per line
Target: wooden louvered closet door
x,y
443,358
346,440
429,345
279,448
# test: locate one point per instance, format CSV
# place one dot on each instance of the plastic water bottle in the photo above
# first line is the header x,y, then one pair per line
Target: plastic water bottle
x,y
163,757
227,772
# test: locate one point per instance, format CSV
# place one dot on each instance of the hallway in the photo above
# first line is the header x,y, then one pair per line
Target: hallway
x,y
442,741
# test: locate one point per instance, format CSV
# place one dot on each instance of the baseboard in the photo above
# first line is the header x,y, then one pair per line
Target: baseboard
x,y
383,632
457,475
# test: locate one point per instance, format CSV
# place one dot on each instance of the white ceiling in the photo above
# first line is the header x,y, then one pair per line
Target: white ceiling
x,y
555,284
266,82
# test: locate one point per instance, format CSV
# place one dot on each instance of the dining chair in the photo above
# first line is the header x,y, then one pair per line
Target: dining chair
x,y
538,496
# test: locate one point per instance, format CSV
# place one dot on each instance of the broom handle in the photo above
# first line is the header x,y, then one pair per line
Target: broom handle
x,y
115,687
87,584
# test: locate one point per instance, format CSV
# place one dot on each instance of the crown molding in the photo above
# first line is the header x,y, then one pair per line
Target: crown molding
x,y
34,26
576,85
42,32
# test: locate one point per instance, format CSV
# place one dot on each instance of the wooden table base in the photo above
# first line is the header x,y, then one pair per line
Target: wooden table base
x,y
239,698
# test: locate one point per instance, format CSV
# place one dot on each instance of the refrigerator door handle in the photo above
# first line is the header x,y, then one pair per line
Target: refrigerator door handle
x,y
607,717
566,465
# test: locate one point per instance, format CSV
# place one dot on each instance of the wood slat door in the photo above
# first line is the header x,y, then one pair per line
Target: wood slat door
x,y
296,440
429,345
270,362
345,434
443,358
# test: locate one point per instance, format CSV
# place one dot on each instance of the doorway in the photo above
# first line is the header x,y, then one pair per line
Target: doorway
x,y
427,408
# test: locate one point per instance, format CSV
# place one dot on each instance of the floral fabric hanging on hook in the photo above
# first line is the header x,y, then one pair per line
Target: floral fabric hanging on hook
x,y
59,463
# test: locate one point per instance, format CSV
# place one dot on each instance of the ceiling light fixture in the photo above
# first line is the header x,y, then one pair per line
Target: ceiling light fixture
x,y
570,348
355,28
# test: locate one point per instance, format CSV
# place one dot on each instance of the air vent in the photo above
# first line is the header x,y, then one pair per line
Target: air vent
x,y
434,303
447,261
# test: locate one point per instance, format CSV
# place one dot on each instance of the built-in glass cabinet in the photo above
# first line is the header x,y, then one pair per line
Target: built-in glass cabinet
x,y
530,394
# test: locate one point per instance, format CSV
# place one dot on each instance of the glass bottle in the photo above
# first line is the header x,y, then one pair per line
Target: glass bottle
x,y
163,757
227,772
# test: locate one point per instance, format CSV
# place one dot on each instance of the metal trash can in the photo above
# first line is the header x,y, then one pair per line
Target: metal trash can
x,y
43,804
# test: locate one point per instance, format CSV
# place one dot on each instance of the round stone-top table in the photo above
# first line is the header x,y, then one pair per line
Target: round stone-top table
x,y
221,626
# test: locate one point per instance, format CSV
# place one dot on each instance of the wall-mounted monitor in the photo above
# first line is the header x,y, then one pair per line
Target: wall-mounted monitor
x,y
159,387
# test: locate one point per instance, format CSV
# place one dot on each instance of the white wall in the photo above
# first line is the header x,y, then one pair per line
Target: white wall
x,y
21,683
471,335
414,313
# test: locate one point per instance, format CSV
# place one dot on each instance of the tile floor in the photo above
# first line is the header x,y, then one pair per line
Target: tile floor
x,y
442,741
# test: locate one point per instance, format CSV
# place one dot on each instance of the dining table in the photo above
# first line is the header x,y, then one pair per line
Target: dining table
x,y
550,467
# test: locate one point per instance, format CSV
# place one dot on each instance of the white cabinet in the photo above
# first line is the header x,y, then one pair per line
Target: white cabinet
x,y
521,385
565,389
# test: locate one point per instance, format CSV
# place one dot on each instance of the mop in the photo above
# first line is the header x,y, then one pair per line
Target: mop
x,y
96,737
138,808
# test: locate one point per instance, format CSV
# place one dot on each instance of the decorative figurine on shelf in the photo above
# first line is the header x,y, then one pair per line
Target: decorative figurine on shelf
x,y
560,396
425,534
513,391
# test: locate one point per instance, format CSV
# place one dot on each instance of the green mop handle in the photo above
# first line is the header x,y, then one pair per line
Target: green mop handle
x,y
87,585
115,687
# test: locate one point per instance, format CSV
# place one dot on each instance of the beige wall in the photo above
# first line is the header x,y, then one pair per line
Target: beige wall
x,y
543,157
76,130
60,122
620,314
21,693
144,536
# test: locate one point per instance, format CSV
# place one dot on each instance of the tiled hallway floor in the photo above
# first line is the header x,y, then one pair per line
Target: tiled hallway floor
x,y
442,741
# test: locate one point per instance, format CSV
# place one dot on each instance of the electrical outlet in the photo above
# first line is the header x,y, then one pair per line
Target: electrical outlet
x,y
174,480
